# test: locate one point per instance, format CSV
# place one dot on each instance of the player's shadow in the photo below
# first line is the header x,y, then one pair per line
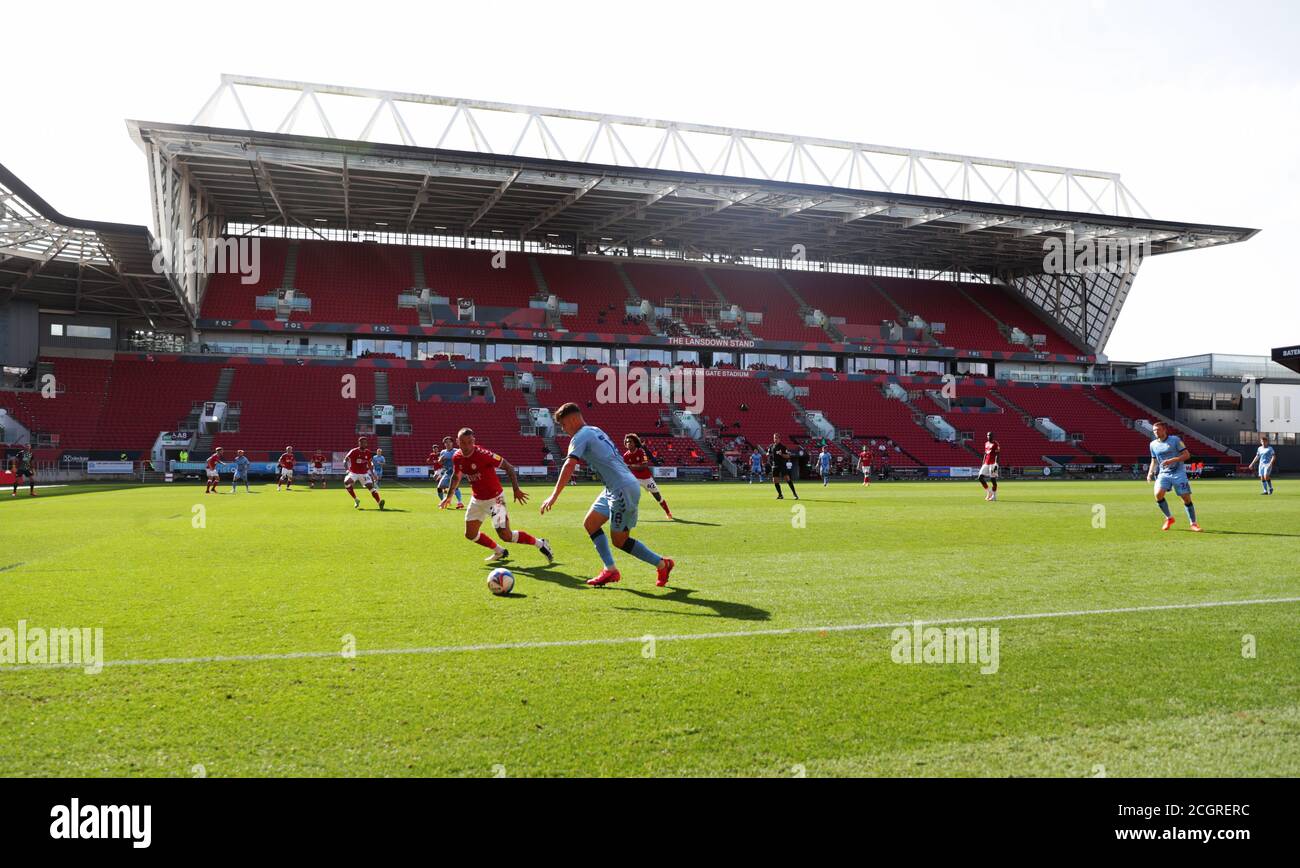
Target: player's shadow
x,y
1249,533
550,574
817,500
721,608
683,521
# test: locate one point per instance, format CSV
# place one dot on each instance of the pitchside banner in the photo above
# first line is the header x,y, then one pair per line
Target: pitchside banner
x,y
664,472
953,472
111,466
408,471
258,467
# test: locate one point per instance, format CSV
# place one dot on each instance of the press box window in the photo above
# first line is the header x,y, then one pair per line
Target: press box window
x,y
99,333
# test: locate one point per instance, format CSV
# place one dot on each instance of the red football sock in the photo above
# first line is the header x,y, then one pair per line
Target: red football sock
x,y
375,495
486,541
664,504
352,494
525,538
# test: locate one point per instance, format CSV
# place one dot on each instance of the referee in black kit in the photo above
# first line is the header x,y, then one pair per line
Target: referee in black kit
x,y
778,461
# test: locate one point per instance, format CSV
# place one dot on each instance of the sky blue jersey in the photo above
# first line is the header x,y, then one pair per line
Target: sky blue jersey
x,y
1170,447
1265,456
594,448
824,459
241,466
448,458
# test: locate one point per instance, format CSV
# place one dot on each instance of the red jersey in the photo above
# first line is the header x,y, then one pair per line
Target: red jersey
x,y
991,450
358,460
480,468
318,460
864,459
637,456
432,460
286,460
213,461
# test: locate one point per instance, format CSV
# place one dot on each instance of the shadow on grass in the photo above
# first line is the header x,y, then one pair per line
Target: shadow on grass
x,y
721,608
547,573
6,492
1248,533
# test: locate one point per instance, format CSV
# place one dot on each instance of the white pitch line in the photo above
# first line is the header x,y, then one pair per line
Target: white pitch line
x,y
679,637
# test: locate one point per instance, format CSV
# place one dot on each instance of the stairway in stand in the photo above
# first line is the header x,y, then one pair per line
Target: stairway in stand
x,y
530,398
805,309
203,442
381,397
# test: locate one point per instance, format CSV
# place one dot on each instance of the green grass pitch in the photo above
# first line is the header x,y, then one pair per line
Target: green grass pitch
x,y
559,679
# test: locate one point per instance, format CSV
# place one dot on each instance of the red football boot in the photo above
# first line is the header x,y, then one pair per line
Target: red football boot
x,y
665,567
606,576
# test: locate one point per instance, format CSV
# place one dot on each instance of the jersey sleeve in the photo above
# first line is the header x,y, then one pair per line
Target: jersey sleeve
x,y
494,460
578,445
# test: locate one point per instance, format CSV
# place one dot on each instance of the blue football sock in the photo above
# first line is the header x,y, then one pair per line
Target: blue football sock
x,y
458,500
1191,511
1264,484
640,551
1164,507
601,542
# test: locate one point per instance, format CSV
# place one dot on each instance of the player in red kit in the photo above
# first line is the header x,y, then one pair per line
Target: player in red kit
x,y
357,463
864,464
639,463
989,469
286,470
213,477
487,498
317,471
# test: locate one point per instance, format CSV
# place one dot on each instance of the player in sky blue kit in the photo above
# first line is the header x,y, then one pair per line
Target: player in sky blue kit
x,y
446,460
1264,456
377,462
240,472
1169,471
756,466
824,465
617,504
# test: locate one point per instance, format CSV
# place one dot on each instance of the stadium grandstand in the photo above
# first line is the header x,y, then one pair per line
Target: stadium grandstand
x,y
325,261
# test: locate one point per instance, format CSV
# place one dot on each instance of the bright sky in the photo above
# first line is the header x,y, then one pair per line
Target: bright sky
x,y
1196,104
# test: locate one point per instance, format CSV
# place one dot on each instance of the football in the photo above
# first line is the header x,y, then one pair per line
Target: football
x,y
501,581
